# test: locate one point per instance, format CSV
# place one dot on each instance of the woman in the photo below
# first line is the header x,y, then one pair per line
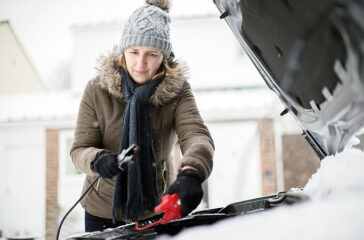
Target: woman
x,y
141,96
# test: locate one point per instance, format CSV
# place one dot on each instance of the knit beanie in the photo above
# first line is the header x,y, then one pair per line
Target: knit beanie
x,y
148,26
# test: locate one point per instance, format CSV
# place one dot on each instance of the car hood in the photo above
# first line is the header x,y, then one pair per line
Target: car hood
x,y
310,53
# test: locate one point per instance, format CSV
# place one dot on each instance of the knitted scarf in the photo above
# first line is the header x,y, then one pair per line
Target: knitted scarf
x,y
136,190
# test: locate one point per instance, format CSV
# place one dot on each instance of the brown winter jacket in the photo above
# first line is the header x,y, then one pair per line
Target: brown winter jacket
x,y
173,112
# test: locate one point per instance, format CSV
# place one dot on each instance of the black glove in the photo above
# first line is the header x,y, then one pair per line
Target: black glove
x,y
188,187
106,165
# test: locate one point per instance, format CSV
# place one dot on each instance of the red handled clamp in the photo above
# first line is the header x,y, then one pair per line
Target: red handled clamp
x,y
171,206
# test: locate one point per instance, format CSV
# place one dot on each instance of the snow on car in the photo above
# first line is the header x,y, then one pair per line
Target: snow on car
x,y
334,209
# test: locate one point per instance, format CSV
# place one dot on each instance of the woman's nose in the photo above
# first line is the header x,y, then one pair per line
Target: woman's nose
x,y
141,61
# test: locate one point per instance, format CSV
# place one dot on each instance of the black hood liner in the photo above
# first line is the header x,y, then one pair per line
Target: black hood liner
x,y
271,29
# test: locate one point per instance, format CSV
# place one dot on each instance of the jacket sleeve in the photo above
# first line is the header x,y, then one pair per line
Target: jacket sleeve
x,y
193,136
87,138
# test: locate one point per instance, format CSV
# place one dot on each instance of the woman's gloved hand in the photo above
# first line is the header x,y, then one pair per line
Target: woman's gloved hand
x,y
106,165
188,187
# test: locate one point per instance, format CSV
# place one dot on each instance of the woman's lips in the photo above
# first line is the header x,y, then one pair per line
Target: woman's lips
x,y
140,72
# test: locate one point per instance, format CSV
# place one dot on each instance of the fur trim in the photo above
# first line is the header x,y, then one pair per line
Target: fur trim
x,y
109,75
110,79
162,4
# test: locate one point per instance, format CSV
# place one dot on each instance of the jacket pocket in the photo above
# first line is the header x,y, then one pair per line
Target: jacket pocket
x,y
104,188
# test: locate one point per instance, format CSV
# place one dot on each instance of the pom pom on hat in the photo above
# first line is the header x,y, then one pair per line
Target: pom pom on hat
x,y
162,4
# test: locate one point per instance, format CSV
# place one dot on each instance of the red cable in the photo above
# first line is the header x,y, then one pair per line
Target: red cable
x,y
171,206
146,227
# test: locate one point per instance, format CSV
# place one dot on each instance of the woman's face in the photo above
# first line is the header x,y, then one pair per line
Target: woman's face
x,y
142,63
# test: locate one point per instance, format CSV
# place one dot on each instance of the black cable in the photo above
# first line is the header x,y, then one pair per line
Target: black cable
x,y
123,158
82,196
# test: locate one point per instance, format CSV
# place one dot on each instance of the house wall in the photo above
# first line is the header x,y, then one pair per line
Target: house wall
x,y
299,161
236,171
213,54
89,43
22,161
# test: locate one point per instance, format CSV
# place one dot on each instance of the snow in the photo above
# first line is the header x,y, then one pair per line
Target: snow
x,y
338,176
335,209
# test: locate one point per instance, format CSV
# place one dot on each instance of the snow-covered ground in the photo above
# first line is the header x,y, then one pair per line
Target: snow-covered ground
x,y
335,209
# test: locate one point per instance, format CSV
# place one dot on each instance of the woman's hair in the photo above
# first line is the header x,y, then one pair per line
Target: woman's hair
x,y
167,66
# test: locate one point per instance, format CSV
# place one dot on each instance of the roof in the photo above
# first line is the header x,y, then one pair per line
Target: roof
x,y
17,73
218,104
38,107
249,102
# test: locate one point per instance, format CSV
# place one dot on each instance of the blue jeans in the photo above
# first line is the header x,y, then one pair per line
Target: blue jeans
x,y
93,223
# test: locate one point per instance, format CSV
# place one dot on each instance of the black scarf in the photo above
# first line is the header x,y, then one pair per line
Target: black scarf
x,y
136,190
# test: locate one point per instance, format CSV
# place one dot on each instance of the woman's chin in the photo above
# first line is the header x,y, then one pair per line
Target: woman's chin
x,y
140,79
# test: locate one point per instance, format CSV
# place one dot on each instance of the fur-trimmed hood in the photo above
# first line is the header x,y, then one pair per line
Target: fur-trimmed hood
x,y
168,89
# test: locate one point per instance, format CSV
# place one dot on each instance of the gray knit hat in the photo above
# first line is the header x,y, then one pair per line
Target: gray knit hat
x,y
148,26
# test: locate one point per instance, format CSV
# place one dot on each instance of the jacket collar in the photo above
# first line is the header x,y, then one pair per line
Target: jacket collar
x,y
110,79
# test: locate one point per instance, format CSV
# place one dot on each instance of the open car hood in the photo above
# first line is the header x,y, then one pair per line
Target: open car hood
x,y
310,53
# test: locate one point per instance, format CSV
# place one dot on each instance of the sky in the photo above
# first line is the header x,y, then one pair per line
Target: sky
x,y
43,27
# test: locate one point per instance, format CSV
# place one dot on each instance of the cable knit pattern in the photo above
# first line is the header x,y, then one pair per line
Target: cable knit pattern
x,y
148,26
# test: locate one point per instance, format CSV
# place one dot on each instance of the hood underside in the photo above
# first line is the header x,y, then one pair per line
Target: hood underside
x,y
310,53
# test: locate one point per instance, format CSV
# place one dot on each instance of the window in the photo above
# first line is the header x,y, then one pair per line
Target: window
x,y
67,169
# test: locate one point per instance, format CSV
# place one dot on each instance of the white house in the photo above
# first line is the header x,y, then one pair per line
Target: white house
x,y
21,147
15,65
